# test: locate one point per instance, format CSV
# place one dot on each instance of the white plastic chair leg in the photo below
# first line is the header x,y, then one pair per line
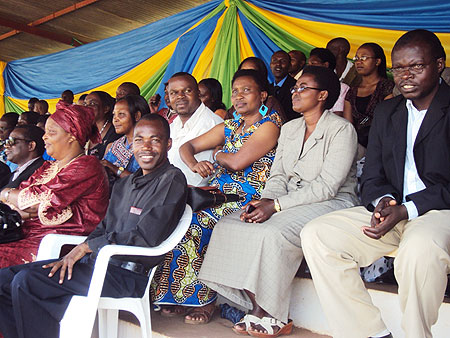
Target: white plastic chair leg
x,y
108,323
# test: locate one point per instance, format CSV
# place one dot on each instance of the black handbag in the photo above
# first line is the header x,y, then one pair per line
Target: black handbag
x,y
10,224
200,198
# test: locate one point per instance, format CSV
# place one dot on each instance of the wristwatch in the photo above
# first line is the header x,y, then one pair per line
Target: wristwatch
x,y
276,204
120,171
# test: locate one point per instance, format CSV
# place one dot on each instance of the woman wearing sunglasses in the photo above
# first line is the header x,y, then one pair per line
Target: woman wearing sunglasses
x,y
253,256
361,100
68,195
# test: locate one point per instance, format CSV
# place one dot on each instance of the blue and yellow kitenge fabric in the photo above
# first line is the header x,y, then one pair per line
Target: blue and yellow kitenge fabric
x,y
211,40
176,280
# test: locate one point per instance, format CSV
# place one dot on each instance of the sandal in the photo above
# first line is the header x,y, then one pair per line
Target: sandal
x,y
206,312
173,310
267,323
248,320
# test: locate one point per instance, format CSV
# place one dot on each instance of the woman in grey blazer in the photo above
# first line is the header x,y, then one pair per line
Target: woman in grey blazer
x,y
252,258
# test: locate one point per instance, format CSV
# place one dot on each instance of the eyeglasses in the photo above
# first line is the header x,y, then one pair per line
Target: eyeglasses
x,y
300,89
363,58
413,69
10,141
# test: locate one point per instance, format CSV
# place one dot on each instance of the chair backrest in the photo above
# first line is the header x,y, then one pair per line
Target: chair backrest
x,y
177,235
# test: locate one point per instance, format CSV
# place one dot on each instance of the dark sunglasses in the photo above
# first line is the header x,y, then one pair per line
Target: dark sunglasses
x,y
10,141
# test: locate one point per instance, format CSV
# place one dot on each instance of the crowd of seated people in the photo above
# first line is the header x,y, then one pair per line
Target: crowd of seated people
x,y
289,149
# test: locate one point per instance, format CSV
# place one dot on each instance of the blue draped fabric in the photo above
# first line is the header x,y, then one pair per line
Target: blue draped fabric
x,y
94,64
189,48
406,15
261,46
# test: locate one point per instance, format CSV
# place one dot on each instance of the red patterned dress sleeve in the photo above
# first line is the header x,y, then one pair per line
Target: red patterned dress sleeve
x,y
71,200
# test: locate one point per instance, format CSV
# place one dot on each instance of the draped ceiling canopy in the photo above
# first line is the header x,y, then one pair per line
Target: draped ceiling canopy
x,y
210,41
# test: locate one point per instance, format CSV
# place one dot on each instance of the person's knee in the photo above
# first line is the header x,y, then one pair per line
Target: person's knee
x,y
419,252
20,279
310,234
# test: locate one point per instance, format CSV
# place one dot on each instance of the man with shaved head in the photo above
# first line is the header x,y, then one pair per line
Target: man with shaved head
x,y
345,69
298,62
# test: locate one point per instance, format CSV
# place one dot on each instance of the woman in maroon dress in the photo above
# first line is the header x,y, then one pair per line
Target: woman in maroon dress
x,y
66,196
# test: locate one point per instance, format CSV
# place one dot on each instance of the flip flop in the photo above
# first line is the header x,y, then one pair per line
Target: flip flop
x,y
248,320
206,312
267,323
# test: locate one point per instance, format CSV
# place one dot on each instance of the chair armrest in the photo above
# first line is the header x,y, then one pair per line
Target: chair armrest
x,y
51,244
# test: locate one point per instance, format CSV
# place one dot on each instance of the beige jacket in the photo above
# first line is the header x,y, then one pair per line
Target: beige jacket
x,y
323,170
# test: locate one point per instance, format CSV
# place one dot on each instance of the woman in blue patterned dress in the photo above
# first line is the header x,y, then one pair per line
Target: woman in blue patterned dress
x,y
242,165
119,158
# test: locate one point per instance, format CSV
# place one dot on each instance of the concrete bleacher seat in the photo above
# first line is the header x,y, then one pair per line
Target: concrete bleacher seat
x,y
306,312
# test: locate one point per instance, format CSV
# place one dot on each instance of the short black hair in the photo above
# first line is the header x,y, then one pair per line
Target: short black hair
x,y
255,75
34,133
299,53
43,119
136,103
262,68
215,88
342,42
107,101
378,53
67,91
160,119
33,100
10,119
184,74
82,97
282,52
326,79
132,87
45,103
421,36
325,55
31,117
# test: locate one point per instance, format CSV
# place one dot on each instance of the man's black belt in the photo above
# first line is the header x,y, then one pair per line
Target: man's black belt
x,y
130,266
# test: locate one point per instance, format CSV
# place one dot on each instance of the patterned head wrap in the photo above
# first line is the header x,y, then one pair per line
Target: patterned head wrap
x,y
78,121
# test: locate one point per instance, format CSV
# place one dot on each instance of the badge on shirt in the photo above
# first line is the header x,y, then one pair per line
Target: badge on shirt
x,y
136,211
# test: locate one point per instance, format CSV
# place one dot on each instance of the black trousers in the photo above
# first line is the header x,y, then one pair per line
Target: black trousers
x,y
32,304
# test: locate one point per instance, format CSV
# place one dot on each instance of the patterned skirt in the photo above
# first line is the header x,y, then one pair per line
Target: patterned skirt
x,y
176,280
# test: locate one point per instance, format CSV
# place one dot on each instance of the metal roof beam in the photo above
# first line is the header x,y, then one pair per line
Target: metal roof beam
x,y
20,27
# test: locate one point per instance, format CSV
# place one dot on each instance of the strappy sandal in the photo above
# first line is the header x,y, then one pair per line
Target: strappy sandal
x,y
267,323
205,312
247,320
173,310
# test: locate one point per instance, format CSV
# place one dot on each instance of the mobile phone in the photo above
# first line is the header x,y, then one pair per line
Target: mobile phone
x,y
249,208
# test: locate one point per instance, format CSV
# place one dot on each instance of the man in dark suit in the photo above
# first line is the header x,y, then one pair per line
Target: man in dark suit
x,y
406,193
25,148
281,88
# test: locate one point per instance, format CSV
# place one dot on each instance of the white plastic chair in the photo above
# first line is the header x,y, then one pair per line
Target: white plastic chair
x,y
79,318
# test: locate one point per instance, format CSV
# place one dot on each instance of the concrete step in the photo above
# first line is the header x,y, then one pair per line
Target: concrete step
x,y
306,311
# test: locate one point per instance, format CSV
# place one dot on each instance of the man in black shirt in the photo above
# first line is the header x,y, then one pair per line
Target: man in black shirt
x,y
145,208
